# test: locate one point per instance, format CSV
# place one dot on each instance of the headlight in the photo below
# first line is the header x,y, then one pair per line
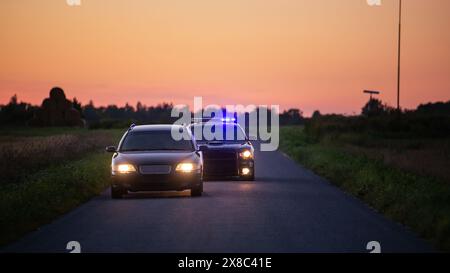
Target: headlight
x,y
124,168
185,167
245,171
246,154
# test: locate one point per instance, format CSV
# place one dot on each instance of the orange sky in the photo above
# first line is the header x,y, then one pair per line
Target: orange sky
x,y
311,54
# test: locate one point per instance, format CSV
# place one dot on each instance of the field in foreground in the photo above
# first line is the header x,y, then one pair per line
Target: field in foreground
x,y
47,172
404,190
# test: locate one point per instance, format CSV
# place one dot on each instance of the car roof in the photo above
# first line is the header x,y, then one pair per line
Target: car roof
x,y
156,127
218,123
214,123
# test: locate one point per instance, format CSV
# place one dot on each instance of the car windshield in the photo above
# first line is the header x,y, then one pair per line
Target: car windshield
x,y
230,133
154,141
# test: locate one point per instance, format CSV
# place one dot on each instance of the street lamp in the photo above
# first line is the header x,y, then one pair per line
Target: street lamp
x,y
371,93
399,52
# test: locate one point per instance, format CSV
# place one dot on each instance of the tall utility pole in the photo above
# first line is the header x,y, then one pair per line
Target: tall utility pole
x,y
399,53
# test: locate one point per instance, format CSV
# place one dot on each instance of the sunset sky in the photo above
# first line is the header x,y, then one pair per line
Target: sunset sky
x,y
308,54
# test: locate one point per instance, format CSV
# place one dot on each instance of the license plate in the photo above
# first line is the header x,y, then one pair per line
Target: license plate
x,y
155,169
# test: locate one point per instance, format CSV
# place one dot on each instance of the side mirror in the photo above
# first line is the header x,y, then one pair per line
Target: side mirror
x,y
202,148
111,149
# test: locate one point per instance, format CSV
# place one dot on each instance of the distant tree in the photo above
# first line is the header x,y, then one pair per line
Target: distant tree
x,y
129,108
77,105
316,114
438,108
113,112
291,117
13,101
375,107
15,112
140,107
90,112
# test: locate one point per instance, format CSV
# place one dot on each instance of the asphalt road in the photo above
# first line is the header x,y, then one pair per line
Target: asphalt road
x,y
287,209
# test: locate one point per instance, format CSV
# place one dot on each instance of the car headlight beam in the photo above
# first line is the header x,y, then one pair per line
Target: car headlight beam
x,y
246,154
246,171
125,168
185,167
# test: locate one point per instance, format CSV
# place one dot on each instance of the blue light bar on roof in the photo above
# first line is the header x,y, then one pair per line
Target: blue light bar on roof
x,y
228,119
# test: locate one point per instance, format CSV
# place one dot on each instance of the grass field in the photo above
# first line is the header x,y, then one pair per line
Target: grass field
x,y
47,172
408,192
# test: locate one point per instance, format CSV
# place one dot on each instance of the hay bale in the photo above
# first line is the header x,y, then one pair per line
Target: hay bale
x,y
56,110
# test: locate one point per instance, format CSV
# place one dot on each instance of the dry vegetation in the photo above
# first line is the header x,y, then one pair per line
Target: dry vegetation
x,y
426,157
48,171
403,176
21,156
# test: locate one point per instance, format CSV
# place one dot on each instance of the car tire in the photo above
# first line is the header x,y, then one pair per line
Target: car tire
x,y
117,192
197,190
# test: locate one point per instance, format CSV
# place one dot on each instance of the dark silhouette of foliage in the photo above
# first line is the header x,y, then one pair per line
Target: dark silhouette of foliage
x,y
432,119
377,118
76,105
16,112
291,117
57,110
439,108
114,116
316,114
375,107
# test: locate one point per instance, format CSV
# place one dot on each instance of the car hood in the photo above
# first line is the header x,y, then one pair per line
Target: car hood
x,y
148,158
225,146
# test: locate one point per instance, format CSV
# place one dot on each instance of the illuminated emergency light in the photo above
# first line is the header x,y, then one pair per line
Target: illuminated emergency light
x,y
228,119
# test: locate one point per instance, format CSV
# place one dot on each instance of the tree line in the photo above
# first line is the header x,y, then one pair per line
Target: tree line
x,y
17,113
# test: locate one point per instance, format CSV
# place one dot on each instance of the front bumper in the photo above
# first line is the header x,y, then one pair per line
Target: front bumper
x,y
156,182
221,169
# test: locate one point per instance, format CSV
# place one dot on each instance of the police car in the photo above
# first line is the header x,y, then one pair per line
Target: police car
x,y
230,156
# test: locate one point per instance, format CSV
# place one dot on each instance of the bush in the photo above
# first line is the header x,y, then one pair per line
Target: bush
x,y
393,125
418,201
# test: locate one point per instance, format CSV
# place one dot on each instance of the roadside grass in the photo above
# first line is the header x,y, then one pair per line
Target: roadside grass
x,y
49,174
49,193
21,156
25,131
423,156
418,201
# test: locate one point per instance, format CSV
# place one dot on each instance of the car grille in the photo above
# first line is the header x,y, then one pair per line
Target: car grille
x,y
155,169
220,163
